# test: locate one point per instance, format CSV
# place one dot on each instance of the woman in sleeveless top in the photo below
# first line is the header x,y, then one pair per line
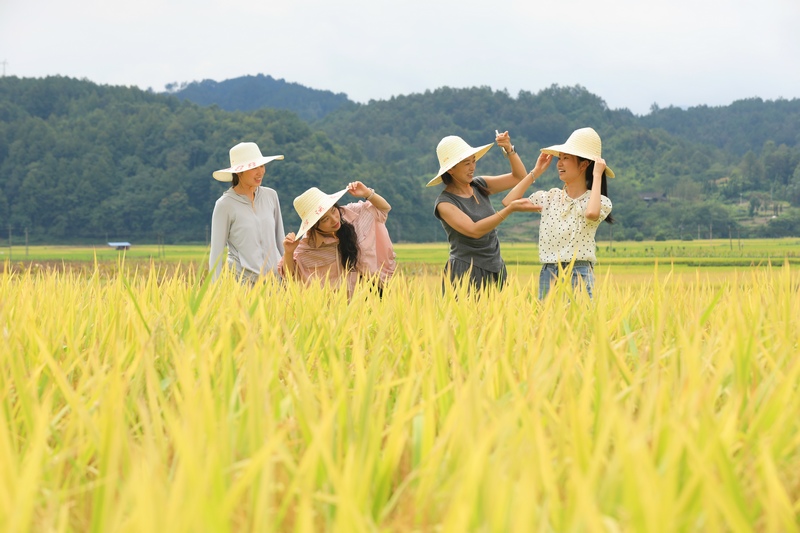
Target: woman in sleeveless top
x,y
467,215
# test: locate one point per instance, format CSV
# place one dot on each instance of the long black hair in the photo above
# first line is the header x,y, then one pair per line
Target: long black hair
x,y
590,181
448,179
348,240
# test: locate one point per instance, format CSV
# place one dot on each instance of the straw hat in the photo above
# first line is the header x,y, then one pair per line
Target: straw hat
x,y
311,205
584,143
451,151
244,156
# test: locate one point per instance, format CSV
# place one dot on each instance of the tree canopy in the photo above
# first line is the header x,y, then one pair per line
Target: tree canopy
x,y
81,162
249,93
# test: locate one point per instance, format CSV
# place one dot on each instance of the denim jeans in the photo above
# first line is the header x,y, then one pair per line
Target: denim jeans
x,y
582,274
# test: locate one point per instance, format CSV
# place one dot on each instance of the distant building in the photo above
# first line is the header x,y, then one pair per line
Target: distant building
x,y
120,245
652,197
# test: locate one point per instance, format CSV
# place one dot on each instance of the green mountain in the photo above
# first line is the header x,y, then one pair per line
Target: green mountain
x,y
81,162
745,125
249,93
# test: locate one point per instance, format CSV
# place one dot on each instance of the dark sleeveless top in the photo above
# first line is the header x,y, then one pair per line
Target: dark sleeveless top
x,y
483,252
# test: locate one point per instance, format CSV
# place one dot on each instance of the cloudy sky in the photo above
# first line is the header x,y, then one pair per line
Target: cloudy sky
x,y
631,53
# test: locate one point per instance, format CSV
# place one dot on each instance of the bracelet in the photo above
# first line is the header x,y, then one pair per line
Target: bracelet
x,y
508,153
370,195
501,216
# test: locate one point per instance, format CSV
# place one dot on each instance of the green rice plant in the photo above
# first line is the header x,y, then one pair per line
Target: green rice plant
x,y
144,397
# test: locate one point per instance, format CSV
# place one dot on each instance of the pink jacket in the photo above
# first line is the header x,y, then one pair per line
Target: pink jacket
x,y
376,255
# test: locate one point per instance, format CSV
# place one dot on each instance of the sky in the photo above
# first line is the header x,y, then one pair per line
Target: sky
x,y
630,53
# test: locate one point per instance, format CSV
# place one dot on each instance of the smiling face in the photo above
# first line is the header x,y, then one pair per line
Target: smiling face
x,y
464,170
330,221
252,178
569,169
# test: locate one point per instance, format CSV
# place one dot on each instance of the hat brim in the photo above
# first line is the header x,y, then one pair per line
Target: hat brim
x,y
477,152
226,174
565,149
323,208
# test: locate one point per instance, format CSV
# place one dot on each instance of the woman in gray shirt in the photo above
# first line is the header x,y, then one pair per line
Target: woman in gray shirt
x,y
247,217
466,213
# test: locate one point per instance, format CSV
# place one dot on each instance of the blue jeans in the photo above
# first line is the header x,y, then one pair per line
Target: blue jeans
x,y
582,274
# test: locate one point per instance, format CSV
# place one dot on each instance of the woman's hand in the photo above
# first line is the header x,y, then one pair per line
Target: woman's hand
x,y
599,167
541,164
358,189
503,140
290,244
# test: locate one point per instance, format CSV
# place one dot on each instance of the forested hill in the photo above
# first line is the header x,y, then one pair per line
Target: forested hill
x,y
81,162
85,162
249,93
743,126
734,167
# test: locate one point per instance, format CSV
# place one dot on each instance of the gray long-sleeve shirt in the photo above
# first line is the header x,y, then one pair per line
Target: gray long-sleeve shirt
x,y
253,233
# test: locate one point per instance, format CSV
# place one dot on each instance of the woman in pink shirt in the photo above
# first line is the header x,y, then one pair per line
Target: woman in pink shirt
x,y
340,243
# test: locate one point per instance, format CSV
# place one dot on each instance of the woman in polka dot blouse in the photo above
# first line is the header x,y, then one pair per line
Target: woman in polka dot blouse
x,y
570,215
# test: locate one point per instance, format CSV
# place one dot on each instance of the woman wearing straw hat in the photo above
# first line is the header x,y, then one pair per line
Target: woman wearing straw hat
x,y
340,243
466,213
247,217
572,214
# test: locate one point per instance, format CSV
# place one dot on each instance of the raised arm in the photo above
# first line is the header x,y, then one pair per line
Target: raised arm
x,y
519,189
593,207
359,190
503,182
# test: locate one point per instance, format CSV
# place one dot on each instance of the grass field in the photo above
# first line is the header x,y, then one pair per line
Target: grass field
x,y
138,396
720,252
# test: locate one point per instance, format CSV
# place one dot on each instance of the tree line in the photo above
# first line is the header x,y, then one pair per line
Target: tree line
x,y
82,162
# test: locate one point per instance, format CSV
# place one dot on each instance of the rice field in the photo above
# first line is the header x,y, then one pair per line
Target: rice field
x,y
142,397
719,252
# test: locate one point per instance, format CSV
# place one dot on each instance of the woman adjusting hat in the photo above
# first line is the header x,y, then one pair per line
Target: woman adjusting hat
x,y
570,215
340,244
467,215
247,217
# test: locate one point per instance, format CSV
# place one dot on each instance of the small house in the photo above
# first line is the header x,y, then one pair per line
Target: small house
x,y
652,197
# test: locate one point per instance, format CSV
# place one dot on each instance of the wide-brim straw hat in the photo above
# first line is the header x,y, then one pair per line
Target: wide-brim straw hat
x,y
312,205
244,156
584,143
451,151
